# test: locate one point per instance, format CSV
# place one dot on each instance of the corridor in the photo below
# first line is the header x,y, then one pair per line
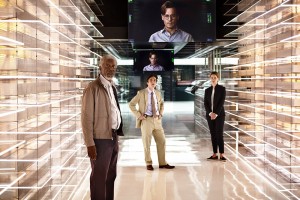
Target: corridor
x,y
194,178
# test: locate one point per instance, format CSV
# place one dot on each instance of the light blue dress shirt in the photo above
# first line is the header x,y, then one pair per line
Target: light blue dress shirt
x,y
153,68
164,36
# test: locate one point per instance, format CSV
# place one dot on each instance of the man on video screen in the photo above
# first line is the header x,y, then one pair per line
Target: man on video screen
x,y
170,33
153,66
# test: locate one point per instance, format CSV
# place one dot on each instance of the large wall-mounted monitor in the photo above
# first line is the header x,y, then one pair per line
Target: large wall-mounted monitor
x,y
195,20
153,60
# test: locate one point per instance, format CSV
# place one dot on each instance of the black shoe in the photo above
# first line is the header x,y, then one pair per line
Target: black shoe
x,y
167,166
149,167
223,159
213,158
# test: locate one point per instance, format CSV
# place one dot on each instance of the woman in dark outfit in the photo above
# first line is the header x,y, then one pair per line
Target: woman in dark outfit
x,y
214,99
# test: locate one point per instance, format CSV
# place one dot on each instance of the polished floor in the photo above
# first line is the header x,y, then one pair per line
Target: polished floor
x,y
194,178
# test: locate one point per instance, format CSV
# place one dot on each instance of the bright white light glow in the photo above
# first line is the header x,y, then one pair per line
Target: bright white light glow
x,y
8,41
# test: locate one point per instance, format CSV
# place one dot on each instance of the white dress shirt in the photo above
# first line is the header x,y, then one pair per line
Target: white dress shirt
x,y
115,112
149,106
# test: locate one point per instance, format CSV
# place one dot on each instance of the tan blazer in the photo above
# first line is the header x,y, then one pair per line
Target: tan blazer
x,y
141,99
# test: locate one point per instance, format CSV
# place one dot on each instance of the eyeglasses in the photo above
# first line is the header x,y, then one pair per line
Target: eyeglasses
x,y
169,16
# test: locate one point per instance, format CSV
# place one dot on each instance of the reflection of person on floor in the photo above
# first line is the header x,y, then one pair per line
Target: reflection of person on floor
x,y
101,125
149,119
216,186
155,187
214,99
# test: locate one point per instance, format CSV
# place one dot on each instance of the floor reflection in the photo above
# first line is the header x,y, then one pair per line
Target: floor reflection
x,y
194,177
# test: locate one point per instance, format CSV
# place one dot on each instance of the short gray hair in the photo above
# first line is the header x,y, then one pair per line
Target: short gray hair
x,y
106,57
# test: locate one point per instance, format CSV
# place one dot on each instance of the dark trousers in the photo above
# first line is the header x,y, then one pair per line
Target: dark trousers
x,y
104,169
216,131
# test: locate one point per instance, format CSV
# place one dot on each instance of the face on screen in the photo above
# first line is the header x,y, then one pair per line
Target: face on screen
x,y
159,60
149,19
153,59
170,18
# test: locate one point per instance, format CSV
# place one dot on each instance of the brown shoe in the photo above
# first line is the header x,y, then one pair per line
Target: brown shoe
x,y
149,167
167,166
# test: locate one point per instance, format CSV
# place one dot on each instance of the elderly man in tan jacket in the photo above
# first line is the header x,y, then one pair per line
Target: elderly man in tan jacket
x,y
149,119
101,125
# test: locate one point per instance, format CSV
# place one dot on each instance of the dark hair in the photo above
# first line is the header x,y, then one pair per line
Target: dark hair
x,y
167,4
214,73
150,76
152,53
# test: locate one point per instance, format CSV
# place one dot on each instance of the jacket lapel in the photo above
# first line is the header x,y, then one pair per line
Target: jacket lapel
x,y
146,99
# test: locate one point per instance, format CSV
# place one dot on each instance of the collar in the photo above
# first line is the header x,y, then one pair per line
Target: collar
x,y
164,30
105,82
154,65
149,91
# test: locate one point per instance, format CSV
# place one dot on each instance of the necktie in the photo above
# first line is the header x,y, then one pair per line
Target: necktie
x,y
153,105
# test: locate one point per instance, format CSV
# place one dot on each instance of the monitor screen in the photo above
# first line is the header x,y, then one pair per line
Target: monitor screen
x,y
172,21
153,60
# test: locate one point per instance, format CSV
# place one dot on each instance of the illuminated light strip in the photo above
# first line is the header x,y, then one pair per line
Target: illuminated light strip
x,y
265,78
195,181
263,109
258,171
71,20
51,177
278,168
7,169
43,158
68,58
289,38
291,5
96,29
80,28
35,21
253,49
12,147
35,133
53,150
243,186
83,39
14,182
259,139
11,40
251,145
266,94
11,112
263,63
247,10
50,27
40,105
291,166
264,13
58,42
45,78
247,178
289,189
267,12
80,181
39,49
71,177
48,179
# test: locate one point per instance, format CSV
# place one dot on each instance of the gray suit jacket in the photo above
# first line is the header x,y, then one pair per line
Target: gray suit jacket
x,y
141,99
